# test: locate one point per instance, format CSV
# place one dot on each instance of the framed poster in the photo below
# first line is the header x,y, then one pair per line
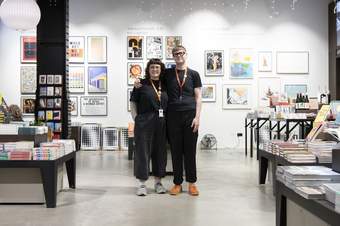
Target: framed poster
x,y
214,62
28,105
170,65
129,91
76,78
28,49
209,93
76,49
265,61
73,106
28,79
96,49
154,47
291,90
93,106
170,43
135,47
236,96
268,86
241,63
135,70
97,79
292,62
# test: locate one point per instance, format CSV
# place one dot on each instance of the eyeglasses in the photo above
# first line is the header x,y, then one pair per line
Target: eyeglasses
x,y
179,54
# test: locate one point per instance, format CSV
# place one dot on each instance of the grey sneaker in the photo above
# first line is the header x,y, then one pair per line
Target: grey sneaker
x,y
159,188
141,191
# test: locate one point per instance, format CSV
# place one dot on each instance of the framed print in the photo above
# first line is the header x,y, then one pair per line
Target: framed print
x,y
28,49
154,47
50,79
97,79
76,49
28,105
76,79
49,103
170,65
58,91
50,91
73,106
236,96
41,115
214,65
42,102
43,91
241,63
135,70
291,90
93,106
208,93
267,87
42,79
129,91
265,61
135,47
96,50
57,102
58,79
170,43
28,79
292,62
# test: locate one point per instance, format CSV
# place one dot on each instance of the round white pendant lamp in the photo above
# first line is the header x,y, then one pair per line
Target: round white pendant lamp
x,y
20,14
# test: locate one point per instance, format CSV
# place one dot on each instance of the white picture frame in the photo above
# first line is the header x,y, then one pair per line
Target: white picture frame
x,y
267,86
97,49
214,62
93,106
237,96
265,61
292,62
76,49
28,79
208,93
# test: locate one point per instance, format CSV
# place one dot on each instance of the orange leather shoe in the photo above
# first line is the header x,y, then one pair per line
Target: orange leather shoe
x,y
193,190
175,190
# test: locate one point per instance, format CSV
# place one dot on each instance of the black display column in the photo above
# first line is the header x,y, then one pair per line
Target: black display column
x,y
52,66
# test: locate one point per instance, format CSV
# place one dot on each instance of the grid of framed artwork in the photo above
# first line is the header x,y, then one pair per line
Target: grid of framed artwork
x,y
90,50
140,49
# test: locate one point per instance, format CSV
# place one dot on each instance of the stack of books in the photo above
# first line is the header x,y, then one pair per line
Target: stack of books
x,y
322,150
20,155
3,153
18,150
67,145
306,176
2,117
56,150
45,153
332,192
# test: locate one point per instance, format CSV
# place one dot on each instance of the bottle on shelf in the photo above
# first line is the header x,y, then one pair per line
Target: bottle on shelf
x,y
307,102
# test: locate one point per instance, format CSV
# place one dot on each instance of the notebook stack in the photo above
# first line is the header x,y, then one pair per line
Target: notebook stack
x,y
322,150
19,150
272,146
3,153
9,129
2,117
306,176
67,145
45,153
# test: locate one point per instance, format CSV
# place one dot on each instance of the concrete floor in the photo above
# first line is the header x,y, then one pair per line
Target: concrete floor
x,y
105,195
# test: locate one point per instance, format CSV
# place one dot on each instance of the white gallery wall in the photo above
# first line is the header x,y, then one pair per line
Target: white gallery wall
x,y
204,25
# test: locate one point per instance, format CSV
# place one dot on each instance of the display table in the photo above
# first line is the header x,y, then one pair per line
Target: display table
x,y
321,208
49,171
276,160
251,123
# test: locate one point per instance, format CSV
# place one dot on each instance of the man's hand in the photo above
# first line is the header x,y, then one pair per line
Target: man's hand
x,y
195,124
137,83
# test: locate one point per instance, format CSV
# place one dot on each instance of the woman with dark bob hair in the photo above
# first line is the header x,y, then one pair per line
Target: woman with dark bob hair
x,y
148,108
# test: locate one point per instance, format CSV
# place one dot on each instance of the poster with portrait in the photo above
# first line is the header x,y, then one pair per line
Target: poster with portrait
x,y
208,93
28,105
268,87
135,70
129,91
241,63
170,43
236,96
76,79
154,47
73,105
28,79
135,47
28,49
96,49
76,49
265,61
93,106
214,62
97,79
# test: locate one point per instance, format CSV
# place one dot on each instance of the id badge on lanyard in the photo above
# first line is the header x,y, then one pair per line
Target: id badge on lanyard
x,y
161,113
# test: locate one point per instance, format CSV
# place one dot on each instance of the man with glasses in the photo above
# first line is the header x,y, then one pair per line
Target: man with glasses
x,y
183,117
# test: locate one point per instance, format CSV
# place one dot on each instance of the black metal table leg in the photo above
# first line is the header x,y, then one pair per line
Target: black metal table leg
x,y
281,209
71,172
287,131
246,136
263,167
251,137
49,175
257,138
278,130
